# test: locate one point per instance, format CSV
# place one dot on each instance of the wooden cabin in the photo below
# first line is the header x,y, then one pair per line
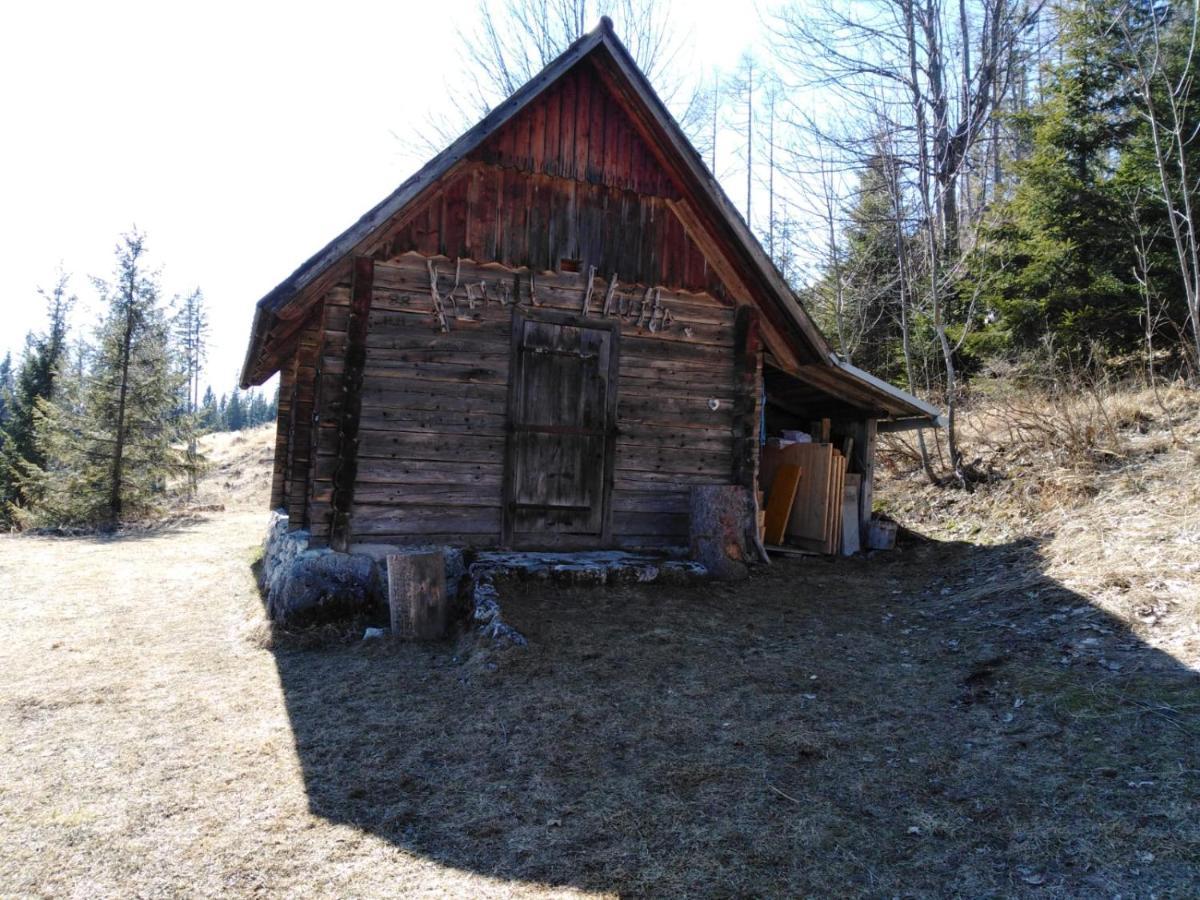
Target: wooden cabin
x,y
545,337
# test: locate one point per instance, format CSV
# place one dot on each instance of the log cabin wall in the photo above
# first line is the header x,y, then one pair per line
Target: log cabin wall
x,y
433,419
283,421
397,340
567,193
294,426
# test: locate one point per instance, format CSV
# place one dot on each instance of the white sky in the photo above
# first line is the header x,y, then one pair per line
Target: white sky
x,y
240,137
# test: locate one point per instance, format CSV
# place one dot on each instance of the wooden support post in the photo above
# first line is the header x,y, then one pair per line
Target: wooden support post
x,y
865,437
300,461
346,467
851,528
417,595
722,519
748,348
747,409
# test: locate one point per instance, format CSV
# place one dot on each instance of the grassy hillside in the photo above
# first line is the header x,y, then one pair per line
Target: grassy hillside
x,y
1007,710
1105,485
238,468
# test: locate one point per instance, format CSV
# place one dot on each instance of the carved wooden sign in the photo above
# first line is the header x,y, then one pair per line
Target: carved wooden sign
x,y
645,309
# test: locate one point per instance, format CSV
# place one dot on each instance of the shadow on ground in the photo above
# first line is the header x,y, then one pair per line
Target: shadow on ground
x,y
908,725
165,526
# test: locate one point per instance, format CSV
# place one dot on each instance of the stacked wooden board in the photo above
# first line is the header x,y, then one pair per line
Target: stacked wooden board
x,y
814,522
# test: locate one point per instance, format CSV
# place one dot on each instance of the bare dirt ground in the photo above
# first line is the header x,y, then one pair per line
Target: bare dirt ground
x,y
949,719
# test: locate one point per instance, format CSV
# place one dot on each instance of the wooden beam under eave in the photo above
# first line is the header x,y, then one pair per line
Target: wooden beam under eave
x,y
280,343
832,382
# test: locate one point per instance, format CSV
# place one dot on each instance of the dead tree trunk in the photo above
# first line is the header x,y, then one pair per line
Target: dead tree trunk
x,y
722,517
417,595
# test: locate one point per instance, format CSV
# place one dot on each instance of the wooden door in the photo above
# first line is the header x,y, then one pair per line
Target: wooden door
x,y
562,418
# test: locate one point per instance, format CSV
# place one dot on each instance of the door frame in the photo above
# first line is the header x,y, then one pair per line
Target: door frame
x,y
521,315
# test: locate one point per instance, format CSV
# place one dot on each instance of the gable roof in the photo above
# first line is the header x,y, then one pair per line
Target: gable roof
x,y
796,344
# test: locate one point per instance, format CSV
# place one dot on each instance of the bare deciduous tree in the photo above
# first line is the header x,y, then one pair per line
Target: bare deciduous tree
x,y
939,71
510,41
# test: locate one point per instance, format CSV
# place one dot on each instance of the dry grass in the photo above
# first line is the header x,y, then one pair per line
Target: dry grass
x,y
945,720
1109,484
237,468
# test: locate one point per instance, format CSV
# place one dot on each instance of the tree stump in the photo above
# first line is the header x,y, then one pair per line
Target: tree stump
x,y
722,516
417,595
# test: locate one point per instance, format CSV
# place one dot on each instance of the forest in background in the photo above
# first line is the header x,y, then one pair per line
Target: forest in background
x,y
956,189
94,427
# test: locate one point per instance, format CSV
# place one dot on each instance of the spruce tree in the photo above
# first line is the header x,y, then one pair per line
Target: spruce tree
x,y
110,450
6,389
235,413
210,416
856,301
34,382
1058,262
871,237
258,409
191,338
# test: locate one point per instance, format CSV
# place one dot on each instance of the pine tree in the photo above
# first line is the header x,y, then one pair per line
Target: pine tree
x,y
6,389
210,416
235,413
191,336
109,450
33,382
1057,264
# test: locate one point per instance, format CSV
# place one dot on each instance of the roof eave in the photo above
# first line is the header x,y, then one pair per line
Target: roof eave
x,y
914,406
311,269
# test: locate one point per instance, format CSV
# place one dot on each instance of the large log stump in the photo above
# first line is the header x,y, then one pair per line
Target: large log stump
x,y
722,516
417,595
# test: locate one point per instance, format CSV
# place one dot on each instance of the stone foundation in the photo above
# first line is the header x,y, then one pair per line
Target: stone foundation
x,y
306,586
597,567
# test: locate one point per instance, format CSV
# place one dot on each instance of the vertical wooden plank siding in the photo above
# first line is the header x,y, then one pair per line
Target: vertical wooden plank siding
x,y
568,179
346,465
